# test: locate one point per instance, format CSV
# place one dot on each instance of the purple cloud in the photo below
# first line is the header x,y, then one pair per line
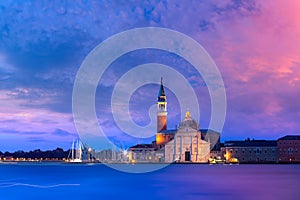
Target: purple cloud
x,y
254,44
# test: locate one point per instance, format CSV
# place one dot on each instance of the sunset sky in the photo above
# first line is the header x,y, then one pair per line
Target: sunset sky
x,y
255,45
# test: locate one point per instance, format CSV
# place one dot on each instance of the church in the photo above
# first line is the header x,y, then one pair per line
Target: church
x,y
186,143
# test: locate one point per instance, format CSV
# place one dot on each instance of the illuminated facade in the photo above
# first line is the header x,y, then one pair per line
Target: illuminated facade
x,y
142,153
187,145
251,151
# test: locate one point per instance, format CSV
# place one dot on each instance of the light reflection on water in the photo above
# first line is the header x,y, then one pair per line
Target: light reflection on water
x,y
61,181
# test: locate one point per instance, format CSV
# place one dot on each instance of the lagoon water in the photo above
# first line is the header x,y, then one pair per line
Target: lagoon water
x,y
178,181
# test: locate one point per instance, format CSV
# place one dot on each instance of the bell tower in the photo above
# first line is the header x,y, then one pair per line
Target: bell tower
x,y
161,109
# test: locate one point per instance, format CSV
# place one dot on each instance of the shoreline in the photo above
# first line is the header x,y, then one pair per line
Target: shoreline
x,y
117,163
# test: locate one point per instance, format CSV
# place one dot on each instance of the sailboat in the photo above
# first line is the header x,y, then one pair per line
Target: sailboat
x,y
76,152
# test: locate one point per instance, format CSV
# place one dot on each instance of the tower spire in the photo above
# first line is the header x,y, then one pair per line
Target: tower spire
x,y
161,93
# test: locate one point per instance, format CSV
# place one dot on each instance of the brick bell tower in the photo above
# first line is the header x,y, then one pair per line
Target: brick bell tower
x,y
161,109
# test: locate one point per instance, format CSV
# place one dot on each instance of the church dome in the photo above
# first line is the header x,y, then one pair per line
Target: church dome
x,y
188,122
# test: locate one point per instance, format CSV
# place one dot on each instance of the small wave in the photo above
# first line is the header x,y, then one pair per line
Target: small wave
x,y
9,184
10,180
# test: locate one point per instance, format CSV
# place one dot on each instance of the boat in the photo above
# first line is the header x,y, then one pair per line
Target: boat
x,y
233,161
75,154
212,161
220,161
217,160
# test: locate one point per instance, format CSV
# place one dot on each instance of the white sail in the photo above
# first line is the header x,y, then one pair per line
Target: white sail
x,y
72,150
76,151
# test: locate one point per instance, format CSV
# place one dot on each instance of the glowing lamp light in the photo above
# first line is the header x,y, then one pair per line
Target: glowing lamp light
x,y
160,139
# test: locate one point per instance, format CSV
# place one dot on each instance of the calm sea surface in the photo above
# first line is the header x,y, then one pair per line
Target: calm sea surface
x,y
63,181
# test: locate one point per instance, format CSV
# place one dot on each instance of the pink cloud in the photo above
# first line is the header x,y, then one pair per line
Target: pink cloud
x,y
17,117
259,57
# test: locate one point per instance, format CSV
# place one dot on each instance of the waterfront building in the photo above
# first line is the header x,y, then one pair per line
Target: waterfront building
x,y
187,145
213,137
289,149
208,135
143,153
113,155
87,153
104,156
164,135
251,151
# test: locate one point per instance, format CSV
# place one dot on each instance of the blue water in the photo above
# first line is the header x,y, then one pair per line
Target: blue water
x,y
62,181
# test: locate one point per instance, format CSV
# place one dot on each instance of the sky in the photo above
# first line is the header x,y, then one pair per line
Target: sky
x,y
255,45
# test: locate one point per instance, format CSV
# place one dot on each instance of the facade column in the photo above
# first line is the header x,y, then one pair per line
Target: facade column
x,y
197,148
191,147
181,148
174,150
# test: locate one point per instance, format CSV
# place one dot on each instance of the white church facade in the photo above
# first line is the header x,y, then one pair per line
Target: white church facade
x,y
187,145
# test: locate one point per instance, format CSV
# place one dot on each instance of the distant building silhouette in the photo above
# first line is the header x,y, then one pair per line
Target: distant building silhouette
x,y
289,149
251,151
